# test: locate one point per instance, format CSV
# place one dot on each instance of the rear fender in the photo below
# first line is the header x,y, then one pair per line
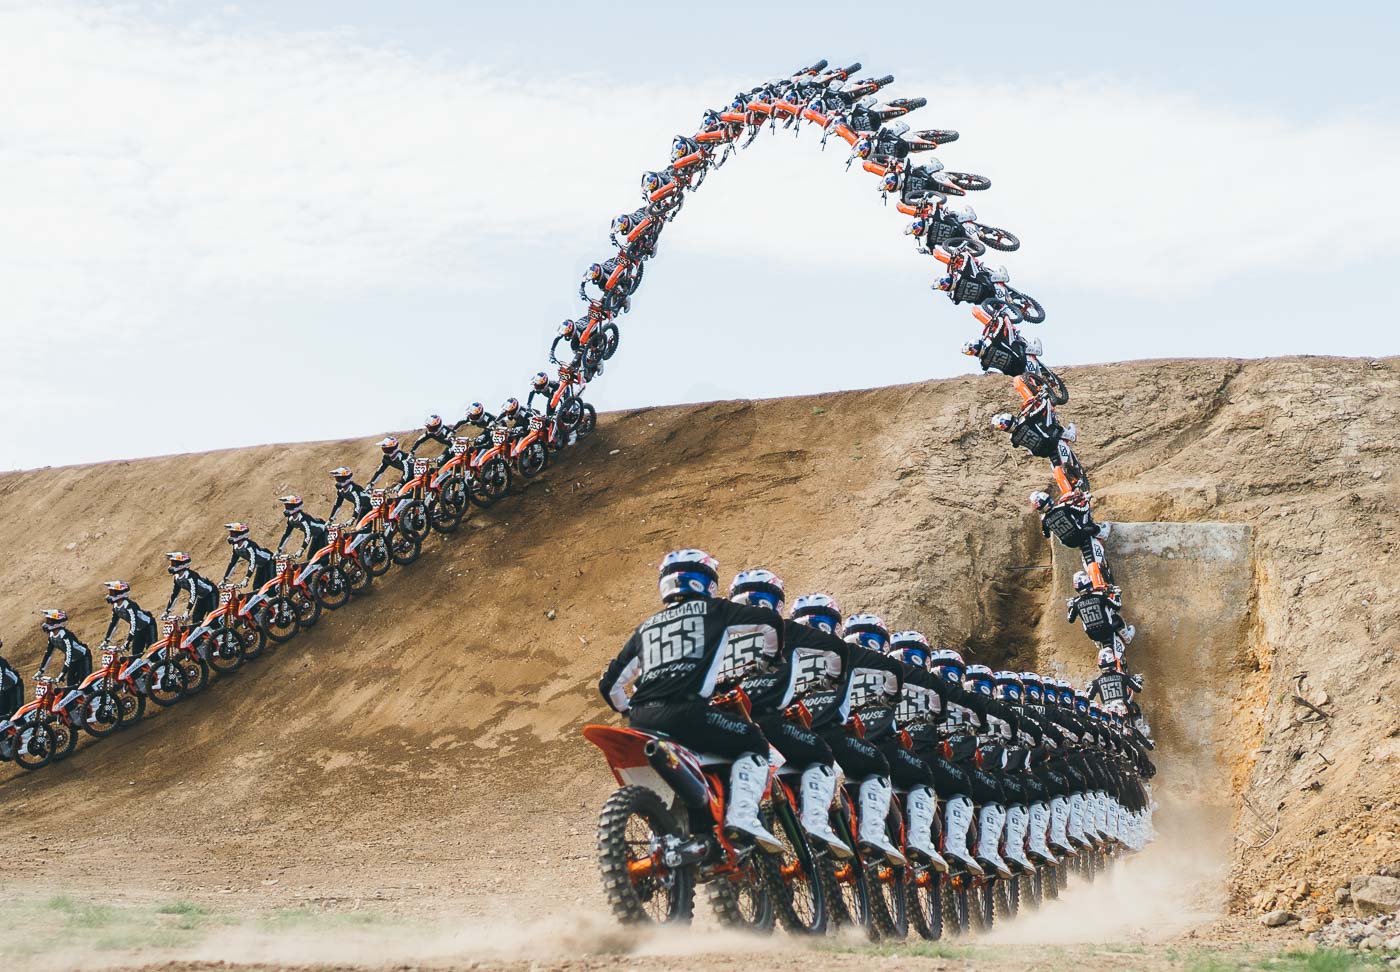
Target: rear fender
x,y
73,696
355,543
253,602
307,572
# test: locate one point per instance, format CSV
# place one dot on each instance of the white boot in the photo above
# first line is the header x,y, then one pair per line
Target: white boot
x,y
1076,820
818,788
989,824
1101,816
1059,825
1017,821
1091,818
747,781
957,819
1039,830
875,796
922,804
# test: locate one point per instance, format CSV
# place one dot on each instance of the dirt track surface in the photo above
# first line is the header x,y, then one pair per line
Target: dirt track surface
x,y
419,749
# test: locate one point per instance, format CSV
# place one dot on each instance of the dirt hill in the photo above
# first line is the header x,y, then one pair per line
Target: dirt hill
x,y
424,740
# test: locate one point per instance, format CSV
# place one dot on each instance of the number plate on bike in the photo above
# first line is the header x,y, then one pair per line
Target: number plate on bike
x,y
41,690
420,466
282,563
332,535
498,435
536,422
376,498
460,446
225,597
565,375
166,627
107,658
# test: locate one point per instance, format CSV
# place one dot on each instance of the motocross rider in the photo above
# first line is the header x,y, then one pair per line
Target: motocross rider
x,y
434,430
202,596
677,660
77,660
260,561
394,458
312,530
11,687
140,625
349,491
774,693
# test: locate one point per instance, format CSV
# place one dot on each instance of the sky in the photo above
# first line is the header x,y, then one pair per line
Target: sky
x,y
229,224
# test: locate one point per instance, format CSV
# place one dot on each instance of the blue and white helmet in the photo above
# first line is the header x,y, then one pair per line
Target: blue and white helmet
x,y
758,588
1065,691
1008,686
868,631
688,573
949,664
1109,656
911,647
819,611
979,679
1031,681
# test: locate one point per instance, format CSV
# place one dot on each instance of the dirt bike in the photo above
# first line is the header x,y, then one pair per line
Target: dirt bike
x,y
411,502
384,543
234,636
601,333
970,282
453,481
173,668
795,874
42,732
662,832
342,574
104,702
286,604
954,229
1003,348
491,466
530,452
570,412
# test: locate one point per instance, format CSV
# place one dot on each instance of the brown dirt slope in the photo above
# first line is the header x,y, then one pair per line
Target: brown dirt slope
x,y
428,734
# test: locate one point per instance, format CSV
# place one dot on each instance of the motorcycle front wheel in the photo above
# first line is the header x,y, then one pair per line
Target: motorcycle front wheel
x,y
533,460
332,588
588,421
35,747
403,549
1059,392
375,552
225,650
196,673
794,881
102,714
168,684
282,620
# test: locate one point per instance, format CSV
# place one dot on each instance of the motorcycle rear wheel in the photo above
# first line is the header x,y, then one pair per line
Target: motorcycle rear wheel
x,y
356,576
611,337
332,588
632,820
38,753
444,518
794,883
225,650
744,901
168,684
926,904
982,901
889,895
403,549
376,555
955,910
102,714
283,620
847,893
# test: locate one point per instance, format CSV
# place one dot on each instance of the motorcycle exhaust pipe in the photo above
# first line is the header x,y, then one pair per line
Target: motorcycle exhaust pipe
x,y
690,786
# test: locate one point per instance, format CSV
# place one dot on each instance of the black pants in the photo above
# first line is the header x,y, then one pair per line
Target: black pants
x,y
701,727
78,669
856,757
11,698
799,745
907,768
202,608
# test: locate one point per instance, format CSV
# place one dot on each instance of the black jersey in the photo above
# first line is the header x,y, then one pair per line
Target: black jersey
x,y
195,587
812,662
690,649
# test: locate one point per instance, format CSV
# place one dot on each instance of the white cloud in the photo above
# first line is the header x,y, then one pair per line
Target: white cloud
x,y
159,182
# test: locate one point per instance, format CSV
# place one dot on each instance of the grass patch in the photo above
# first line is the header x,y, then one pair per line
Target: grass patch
x,y
906,948
187,915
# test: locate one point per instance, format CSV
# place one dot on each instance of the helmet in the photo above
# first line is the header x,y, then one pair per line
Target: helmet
x,y
54,619
868,631
979,679
911,647
388,444
651,182
944,283
342,476
565,330
916,228
236,531
1009,686
1064,691
540,382
709,119
509,407
117,591
1096,710
688,573
475,411
1082,583
1040,501
1108,657
1128,633
757,587
1031,681
179,560
948,663
890,182
623,223
863,148
680,147
818,611
595,271
1003,421
1081,702
432,423
291,504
